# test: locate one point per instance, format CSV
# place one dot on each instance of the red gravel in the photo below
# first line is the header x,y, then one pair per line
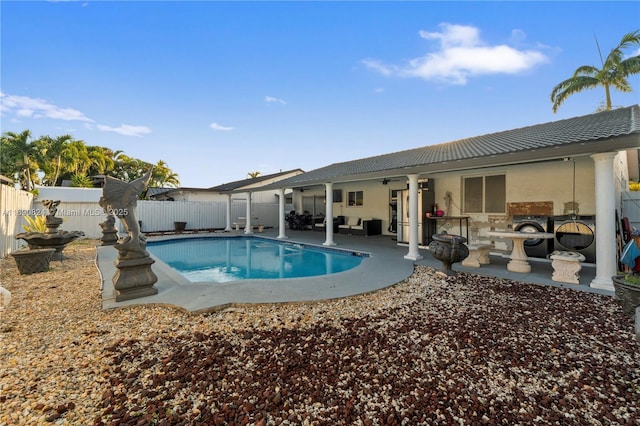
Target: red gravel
x,y
467,350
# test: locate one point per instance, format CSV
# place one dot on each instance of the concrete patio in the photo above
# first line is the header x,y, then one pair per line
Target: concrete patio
x,y
385,267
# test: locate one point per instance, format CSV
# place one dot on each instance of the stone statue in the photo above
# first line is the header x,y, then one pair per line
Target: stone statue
x,y
134,277
51,221
52,206
109,231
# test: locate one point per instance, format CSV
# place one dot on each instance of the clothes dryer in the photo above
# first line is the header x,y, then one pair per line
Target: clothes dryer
x,y
576,233
539,247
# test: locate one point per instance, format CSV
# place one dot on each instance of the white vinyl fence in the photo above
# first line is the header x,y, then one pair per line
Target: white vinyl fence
x,y
155,216
14,205
158,216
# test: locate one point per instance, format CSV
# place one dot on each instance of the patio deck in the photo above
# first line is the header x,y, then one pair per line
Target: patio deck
x,y
384,268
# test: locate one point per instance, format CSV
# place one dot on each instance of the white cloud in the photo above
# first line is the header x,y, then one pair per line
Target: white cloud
x,y
126,130
461,54
23,106
271,99
216,126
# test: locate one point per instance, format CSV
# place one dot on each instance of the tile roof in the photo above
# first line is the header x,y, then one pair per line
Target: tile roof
x,y
563,133
249,181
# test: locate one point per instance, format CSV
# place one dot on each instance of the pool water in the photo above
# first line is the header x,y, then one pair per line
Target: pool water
x,y
221,259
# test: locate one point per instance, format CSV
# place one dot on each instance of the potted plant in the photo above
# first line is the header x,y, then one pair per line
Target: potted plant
x,y
627,289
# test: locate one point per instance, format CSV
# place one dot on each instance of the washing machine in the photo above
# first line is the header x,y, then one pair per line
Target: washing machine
x,y
576,233
538,247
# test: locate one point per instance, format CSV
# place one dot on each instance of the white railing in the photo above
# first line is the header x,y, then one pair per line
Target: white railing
x,y
14,205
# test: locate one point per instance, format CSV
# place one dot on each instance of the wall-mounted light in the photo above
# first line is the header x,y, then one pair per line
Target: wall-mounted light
x,y
385,181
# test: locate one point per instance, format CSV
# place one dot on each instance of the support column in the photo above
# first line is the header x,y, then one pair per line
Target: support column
x,y
248,229
413,254
281,214
329,215
228,227
605,221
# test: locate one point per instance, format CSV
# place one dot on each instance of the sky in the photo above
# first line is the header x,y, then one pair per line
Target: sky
x,y
221,89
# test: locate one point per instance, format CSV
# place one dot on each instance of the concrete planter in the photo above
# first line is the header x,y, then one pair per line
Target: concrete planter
x,y
627,294
33,261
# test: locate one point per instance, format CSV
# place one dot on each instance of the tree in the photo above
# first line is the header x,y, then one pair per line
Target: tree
x,y
162,176
253,175
613,74
52,151
18,158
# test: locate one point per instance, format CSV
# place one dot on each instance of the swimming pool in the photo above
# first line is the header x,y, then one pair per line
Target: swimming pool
x,y
224,259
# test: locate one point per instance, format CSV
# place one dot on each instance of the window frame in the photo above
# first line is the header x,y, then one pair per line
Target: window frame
x,y
484,204
358,196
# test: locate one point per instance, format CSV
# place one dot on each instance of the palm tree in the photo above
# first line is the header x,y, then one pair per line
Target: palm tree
x,y
613,74
253,175
162,176
18,157
52,151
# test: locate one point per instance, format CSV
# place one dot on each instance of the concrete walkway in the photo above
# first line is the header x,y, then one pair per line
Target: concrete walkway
x,y
385,267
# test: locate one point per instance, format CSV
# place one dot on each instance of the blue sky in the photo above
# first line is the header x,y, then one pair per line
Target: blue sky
x,y
220,89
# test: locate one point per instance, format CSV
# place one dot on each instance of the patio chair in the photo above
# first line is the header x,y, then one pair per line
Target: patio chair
x,y
346,228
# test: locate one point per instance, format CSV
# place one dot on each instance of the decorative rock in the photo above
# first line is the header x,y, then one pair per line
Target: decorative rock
x,y
5,297
566,266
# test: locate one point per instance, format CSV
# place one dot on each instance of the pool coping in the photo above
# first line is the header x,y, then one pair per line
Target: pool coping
x,y
383,268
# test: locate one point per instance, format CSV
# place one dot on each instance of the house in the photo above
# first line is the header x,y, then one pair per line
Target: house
x,y
566,168
221,192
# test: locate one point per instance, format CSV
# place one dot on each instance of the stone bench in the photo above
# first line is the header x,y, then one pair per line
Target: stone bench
x,y
478,255
566,266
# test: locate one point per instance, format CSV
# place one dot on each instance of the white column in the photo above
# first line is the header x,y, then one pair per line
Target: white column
x,y
413,254
281,214
228,228
605,221
248,229
329,215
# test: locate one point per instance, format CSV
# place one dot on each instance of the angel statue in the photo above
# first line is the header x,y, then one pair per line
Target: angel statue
x,y
120,199
134,277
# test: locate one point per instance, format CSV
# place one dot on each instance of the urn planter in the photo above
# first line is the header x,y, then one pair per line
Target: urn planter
x,y
34,260
627,294
448,249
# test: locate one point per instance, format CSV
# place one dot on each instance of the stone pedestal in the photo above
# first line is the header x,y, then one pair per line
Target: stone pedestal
x,y
566,266
134,278
478,255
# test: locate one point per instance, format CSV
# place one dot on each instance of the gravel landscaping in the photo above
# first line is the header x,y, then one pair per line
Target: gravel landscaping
x,y
430,350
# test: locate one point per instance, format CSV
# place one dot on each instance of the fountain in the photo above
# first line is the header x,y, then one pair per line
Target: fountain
x,y
448,249
52,237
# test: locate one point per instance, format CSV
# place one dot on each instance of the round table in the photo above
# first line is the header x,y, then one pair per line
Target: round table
x,y
519,262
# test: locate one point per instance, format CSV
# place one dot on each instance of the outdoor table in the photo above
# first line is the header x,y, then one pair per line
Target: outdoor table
x,y
519,262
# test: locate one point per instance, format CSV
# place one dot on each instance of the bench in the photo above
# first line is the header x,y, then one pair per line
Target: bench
x,y
478,255
242,223
566,266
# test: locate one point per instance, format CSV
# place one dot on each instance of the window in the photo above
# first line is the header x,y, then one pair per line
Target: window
x,y
485,194
356,198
